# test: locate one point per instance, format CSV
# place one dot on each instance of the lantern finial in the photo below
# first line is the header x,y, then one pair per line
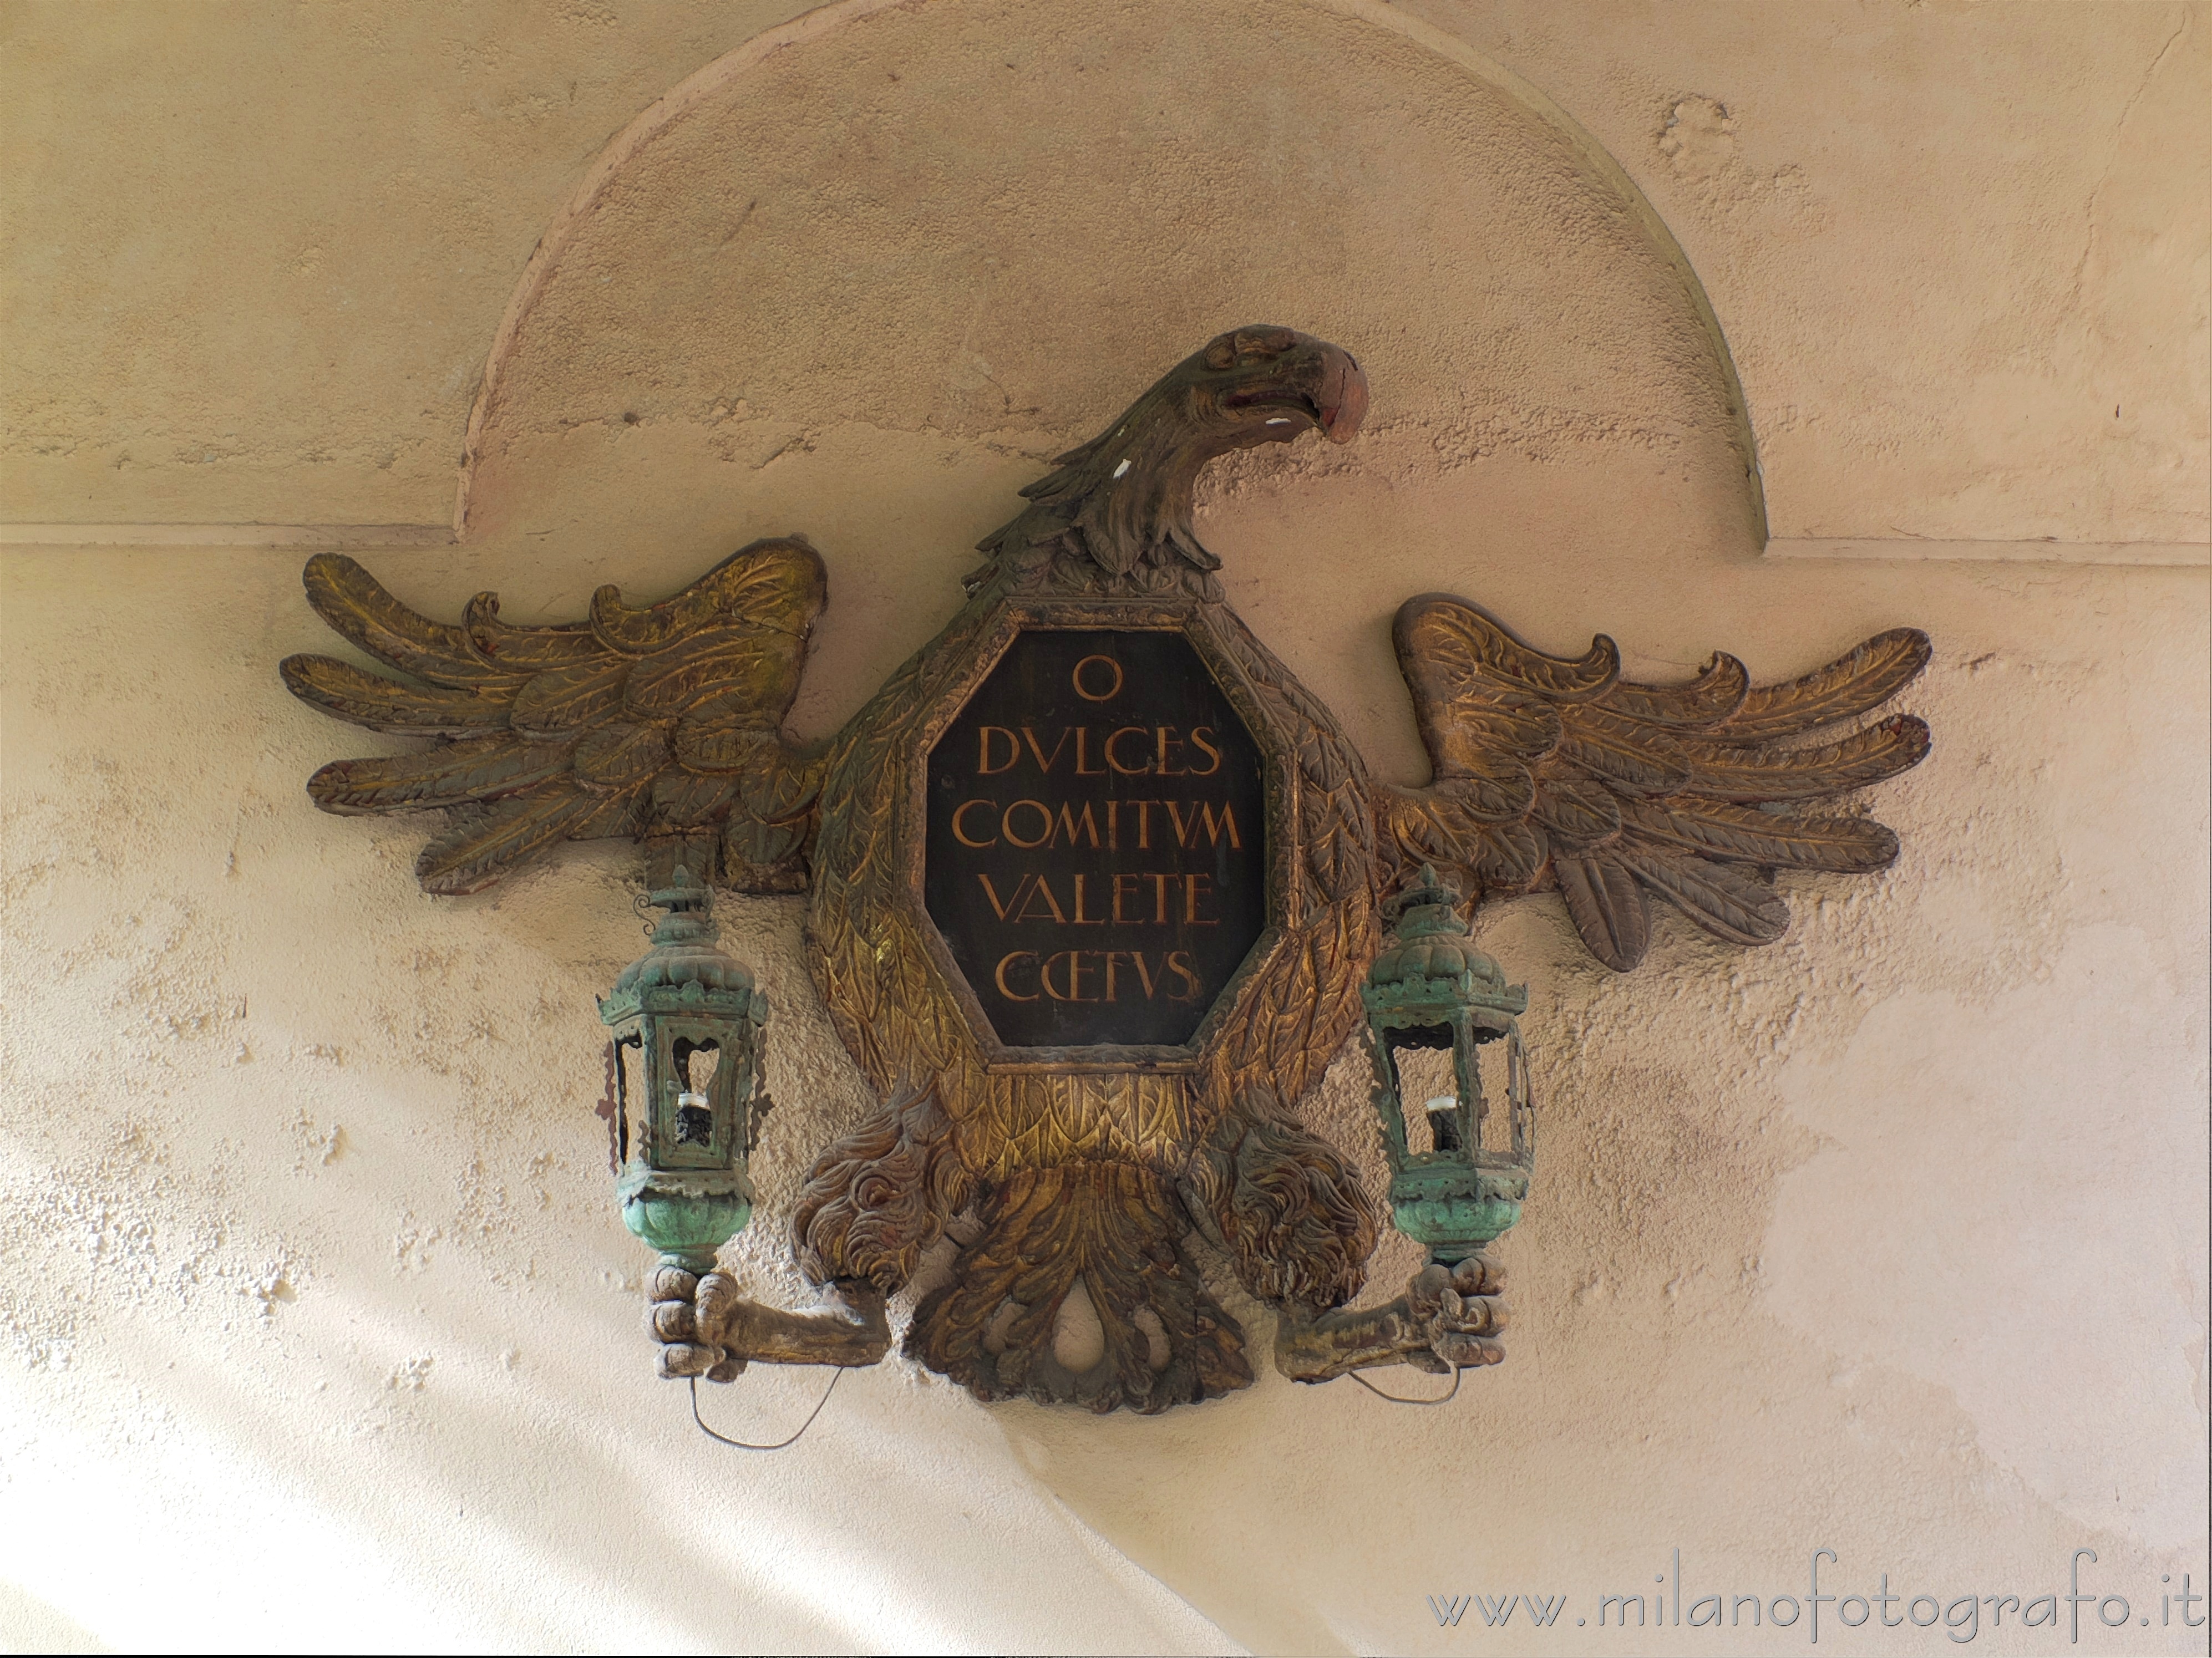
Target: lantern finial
x,y
1432,946
1426,889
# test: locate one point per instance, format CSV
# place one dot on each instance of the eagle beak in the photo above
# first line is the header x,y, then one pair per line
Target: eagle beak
x,y
1342,398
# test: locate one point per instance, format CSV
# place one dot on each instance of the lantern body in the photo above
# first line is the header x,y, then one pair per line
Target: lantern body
x,y
687,1023
1431,993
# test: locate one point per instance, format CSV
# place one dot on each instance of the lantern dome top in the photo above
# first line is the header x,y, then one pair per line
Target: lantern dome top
x,y
1430,942
685,947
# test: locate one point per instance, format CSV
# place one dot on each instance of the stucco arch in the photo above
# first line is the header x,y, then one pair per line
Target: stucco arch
x,y
993,233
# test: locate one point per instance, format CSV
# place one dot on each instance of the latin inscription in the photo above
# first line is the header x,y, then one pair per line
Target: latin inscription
x,y
1096,854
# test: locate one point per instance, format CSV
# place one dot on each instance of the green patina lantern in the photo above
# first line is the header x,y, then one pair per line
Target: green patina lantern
x,y
684,1064
1435,1003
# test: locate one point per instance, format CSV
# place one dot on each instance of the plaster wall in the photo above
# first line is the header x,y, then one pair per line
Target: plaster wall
x,y
319,1328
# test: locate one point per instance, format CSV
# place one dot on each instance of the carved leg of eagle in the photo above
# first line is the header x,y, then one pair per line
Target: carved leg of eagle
x,y
1286,1210
707,1328
874,1200
1278,1202
1443,1322
878,1198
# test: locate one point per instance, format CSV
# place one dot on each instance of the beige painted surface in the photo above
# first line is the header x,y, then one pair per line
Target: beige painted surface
x,y
1962,252
319,1327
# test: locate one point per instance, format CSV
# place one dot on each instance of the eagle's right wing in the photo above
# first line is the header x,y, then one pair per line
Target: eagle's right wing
x,y
655,722
1551,769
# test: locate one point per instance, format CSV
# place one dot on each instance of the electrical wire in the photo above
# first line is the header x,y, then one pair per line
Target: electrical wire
x,y
1444,1399
836,1374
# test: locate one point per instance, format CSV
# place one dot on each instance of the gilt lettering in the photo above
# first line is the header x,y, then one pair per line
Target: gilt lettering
x,y
1097,858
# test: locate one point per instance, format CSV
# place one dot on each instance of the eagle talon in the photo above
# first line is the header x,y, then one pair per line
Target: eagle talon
x,y
1445,1321
706,1327
850,1327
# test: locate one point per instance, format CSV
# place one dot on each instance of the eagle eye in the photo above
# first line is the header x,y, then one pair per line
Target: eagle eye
x,y
1264,342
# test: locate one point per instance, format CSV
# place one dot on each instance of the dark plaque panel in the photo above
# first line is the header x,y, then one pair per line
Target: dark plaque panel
x,y
1096,858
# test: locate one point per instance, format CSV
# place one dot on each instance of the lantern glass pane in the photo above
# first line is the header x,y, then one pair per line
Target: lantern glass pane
x,y
696,1062
1428,1088
631,1093
1494,1121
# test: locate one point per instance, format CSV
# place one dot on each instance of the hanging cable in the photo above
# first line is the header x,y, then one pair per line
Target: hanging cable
x,y
836,1374
1443,1399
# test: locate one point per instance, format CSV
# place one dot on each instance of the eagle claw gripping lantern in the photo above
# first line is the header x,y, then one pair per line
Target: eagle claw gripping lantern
x,y
1433,1002
687,1023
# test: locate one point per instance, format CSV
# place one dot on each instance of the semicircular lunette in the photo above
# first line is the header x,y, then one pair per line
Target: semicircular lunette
x,y
899,218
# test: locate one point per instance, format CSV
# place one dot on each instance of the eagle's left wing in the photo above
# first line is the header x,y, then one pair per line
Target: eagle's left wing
x,y
660,721
1555,770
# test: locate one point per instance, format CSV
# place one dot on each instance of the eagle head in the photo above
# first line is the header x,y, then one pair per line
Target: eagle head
x,y
1122,501
1264,385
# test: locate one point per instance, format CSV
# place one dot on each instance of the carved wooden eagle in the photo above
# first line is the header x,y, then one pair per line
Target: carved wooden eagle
x,y
663,723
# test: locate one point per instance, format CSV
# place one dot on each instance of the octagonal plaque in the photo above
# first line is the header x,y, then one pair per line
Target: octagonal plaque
x,y
1097,858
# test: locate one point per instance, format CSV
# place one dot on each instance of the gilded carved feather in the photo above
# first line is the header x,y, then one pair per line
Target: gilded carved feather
x,y
657,722
1554,770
